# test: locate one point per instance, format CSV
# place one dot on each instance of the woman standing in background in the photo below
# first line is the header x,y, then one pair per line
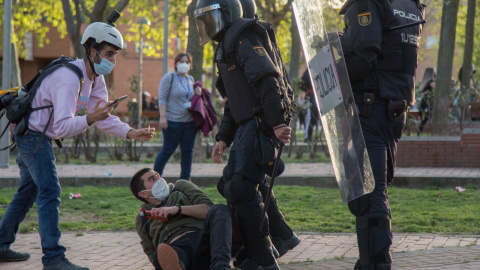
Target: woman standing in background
x,y
174,98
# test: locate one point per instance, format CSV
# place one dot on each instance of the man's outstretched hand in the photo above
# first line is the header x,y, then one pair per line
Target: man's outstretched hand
x,y
142,135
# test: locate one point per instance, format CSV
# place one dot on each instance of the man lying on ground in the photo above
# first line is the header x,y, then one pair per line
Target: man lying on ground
x,y
190,232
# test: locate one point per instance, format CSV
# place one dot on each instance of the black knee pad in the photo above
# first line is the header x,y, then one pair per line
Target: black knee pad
x,y
359,206
239,189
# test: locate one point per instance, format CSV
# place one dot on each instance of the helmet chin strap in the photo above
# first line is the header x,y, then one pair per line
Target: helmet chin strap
x,y
91,64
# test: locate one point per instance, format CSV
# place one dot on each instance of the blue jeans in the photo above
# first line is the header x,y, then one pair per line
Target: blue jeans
x,y
182,133
38,183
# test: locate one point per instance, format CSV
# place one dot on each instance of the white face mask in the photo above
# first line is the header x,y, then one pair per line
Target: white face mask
x,y
160,190
183,68
105,66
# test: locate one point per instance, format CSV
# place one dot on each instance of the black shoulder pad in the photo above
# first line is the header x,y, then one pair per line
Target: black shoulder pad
x,y
234,31
271,32
362,8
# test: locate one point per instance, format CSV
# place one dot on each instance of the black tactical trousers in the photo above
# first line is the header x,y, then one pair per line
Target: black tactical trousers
x,y
239,185
381,137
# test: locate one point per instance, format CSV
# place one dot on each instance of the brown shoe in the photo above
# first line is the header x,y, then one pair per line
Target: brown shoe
x,y
168,258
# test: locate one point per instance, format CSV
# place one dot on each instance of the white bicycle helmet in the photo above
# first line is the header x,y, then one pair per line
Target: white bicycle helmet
x,y
103,32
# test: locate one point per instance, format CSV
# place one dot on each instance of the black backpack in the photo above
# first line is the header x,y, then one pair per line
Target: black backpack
x,y
17,105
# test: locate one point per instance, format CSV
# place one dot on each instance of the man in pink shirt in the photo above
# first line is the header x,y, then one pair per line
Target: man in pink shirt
x,y
38,177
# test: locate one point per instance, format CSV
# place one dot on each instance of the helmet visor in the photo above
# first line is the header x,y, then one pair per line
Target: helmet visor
x,y
209,22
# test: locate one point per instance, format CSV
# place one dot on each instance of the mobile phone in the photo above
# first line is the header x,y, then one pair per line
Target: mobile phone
x,y
117,101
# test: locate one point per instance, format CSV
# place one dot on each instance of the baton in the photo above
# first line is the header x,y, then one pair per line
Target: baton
x,y
404,26
274,174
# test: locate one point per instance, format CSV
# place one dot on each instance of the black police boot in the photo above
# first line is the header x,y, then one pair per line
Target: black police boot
x,y
283,246
380,266
250,264
9,255
242,255
365,239
257,243
383,266
283,238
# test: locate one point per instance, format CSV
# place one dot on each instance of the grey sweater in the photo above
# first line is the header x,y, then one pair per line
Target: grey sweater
x,y
175,97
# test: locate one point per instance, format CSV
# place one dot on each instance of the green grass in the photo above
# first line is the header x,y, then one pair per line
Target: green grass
x,y
439,211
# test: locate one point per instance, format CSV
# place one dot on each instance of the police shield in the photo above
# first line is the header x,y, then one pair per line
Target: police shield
x,y
316,21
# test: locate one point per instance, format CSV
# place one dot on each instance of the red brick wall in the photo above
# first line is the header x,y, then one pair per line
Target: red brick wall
x,y
461,151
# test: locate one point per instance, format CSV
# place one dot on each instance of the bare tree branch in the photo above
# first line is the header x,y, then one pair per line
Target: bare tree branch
x,y
69,21
286,8
85,9
121,5
260,6
98,10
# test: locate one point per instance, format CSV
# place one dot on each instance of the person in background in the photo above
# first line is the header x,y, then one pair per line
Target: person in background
x,y
303,107
178,127
474,96
426,100
313,117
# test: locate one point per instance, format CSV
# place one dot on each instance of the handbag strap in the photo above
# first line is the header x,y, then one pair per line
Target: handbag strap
x,y
170,88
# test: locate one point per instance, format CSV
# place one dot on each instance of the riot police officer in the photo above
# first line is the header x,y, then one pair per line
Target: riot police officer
x,y
380,44
282,236
252,78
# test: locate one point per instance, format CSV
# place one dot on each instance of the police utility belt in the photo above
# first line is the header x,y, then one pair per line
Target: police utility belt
x,y
365,101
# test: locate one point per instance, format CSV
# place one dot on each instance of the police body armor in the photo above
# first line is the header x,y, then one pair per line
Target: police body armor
x,y
397,62
237,83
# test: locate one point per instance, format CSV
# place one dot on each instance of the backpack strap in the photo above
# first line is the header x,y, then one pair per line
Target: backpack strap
x,y
44,131
3,132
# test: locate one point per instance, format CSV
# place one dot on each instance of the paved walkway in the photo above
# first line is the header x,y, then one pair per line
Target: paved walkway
x,y
208,169
121,250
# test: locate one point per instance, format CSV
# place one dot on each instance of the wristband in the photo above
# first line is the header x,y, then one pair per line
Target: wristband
x,y
279,127
179,209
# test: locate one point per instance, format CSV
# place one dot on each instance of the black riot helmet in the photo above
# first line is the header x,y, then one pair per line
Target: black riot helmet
x,y
249,9
214,17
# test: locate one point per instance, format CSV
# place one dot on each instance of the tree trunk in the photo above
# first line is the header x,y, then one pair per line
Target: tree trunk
x,y
444,68
270,12
295,53
73,26
196,51
193,47
466,83
198,155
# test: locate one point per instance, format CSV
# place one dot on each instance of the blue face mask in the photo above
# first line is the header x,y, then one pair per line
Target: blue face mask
x,y
105,66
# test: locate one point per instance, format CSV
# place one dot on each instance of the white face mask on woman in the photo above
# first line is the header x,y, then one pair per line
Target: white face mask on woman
x,y
160,190
183,68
